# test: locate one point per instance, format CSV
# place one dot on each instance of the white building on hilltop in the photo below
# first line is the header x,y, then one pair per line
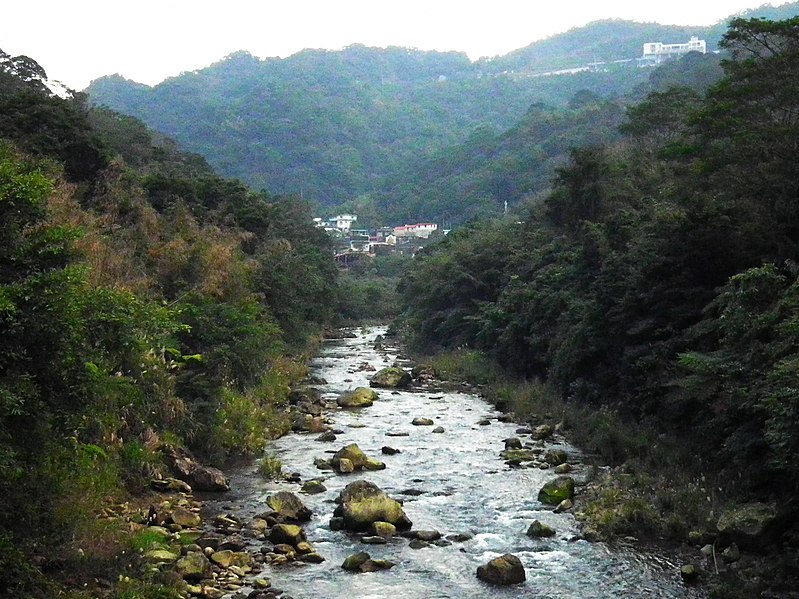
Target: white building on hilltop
x,y
655,52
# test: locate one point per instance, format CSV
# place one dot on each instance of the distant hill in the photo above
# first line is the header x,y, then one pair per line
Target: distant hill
x,y
336,125
600,41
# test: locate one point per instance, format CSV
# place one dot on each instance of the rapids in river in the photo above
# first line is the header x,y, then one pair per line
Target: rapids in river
x,y
454,482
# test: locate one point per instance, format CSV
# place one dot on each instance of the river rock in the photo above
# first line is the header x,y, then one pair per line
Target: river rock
x,y
362,397
503,570
161,555
386,450
513,443
562,469
542,431
312,487
423,535
288,507
353,563
186,467
362,503
170,485
689,573
538,530
373,464
564,506
373,565
438,429
185,518
373,540
418,544
351,452
393,378
344,466
382,529
326,437
731,554
291,534
750,526
518,455
312,558
556,457
193,566
422,422
555,491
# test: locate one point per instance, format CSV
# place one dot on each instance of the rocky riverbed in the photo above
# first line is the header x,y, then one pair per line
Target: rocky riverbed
x,y
462,483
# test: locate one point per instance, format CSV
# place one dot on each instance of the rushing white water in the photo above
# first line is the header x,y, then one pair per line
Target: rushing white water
x,y
459,484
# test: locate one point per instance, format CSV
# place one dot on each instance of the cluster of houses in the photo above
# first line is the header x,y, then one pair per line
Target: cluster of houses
x,y
405,239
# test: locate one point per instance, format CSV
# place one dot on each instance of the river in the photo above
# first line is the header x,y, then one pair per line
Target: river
x,y
454,482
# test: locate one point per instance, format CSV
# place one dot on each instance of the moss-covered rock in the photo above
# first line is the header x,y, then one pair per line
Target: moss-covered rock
x,y
362,503
362,397
392,378
290,534
373,464
185,517
351,452
193,566
353,563
312,487
752,525
288,507
161,555
503,570
383,529
538,530
555,491
518,455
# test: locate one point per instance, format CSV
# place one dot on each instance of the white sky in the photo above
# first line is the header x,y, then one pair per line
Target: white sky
x,y
148,40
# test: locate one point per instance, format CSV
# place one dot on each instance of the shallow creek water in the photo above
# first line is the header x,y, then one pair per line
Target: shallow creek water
x,y
465,488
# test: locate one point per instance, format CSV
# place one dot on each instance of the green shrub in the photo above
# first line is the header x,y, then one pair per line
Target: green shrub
x,y
270,467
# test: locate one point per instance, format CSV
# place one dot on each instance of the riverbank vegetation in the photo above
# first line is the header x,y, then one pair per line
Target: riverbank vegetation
x,y
654,291
145,303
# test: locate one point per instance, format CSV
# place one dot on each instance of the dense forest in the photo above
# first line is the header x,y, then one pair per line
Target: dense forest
x,y
657,280
646,275
357,125
145,304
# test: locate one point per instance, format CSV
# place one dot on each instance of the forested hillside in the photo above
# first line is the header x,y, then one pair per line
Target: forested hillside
x,y
345,126
658,280
145,303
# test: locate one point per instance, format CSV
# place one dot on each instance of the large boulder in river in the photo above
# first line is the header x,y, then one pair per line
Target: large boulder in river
x,y
185,467
363,503
393,378
288,507
503,570
750,526
362,397
555,491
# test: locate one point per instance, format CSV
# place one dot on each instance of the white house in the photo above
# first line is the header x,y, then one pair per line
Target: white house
x,y
343,222
655,52
422,230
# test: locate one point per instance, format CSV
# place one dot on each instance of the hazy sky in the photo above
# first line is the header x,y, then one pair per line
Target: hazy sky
x,y
148,40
